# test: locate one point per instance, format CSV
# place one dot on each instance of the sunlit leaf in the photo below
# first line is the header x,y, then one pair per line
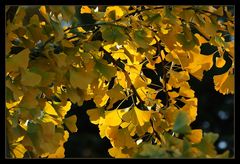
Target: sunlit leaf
x,y
48,108
137,116
85,9
195,136
220,62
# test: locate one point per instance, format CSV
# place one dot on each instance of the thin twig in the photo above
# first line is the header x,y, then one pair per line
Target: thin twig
x,y
163,69
126,75
155,132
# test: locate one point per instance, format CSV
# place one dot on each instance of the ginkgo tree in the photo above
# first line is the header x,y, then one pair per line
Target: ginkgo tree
x,y
53,60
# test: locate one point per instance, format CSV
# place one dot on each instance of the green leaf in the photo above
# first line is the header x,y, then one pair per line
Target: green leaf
x,y
103,68
207,144
187,44
181,123
152,151
113,34
91,46
9,94
141,38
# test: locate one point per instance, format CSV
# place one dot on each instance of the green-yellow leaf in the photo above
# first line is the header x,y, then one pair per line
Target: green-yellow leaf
x,y
181,123
70,122
81,79
17,61
96,115
30,78
103,68
113,34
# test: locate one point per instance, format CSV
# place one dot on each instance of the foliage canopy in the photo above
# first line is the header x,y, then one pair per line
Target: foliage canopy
x,y
54,59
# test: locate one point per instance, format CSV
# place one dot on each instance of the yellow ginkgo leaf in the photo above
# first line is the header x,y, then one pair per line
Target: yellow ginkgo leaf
x,y
137,116
19,151
113,118
61,60
17,61
96,115
119,137
115,94
101,100
46,137
171,114
102,130
117,153
48,108
70,122
85,9
173,94
118,12
58,154
81,79
29,99
224,83
30,78
185,90
220,62
62,110
191,111
176,78
121,79
75,96
43,11
10,105
195,136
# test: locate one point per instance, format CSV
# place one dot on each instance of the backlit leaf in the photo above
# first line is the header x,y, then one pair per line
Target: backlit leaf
x,y
137,116
70,122
195,136
85,9
30,78
181,124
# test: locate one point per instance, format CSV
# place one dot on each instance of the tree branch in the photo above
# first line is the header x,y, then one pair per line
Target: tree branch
x,y
96,24
158,52
116,64
155,132
138,12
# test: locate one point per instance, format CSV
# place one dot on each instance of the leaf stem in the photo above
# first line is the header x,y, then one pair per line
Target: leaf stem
x,y
126,75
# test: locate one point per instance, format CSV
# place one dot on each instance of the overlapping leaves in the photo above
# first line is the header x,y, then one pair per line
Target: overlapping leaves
x,y
51,59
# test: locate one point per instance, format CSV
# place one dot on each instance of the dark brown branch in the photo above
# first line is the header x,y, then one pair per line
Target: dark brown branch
x,y
137,12
96,24
155,132
158,52
48,41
